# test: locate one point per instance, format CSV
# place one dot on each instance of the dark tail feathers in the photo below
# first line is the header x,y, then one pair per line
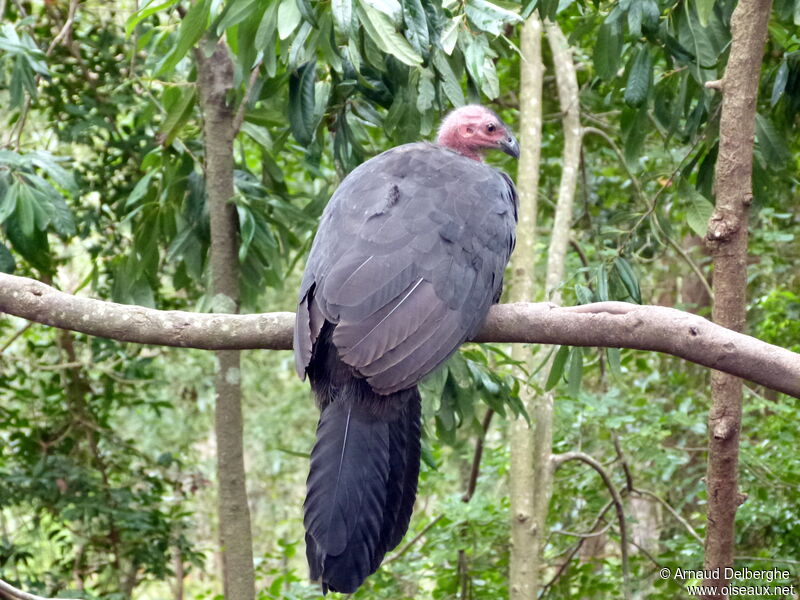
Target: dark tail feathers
x,y
363,478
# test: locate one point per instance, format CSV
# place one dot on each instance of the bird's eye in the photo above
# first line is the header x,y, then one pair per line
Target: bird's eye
x,y
491,127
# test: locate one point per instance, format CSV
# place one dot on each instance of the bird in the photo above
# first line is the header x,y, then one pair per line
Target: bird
x,y
408,257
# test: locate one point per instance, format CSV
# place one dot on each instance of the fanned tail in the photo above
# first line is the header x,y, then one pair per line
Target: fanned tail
x,y
364,470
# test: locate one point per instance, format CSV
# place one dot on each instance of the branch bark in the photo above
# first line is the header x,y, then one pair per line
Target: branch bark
x,y
215,80
606,324
727,240
6,589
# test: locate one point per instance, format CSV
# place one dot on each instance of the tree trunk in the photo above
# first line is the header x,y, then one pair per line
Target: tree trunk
x,y
727,241
215,81
567,84
522,568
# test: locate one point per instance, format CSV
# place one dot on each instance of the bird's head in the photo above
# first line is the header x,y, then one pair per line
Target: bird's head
x,y
471,129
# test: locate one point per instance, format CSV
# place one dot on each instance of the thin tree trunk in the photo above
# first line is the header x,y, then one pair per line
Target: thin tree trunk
x,y
215,81
727,240
567,83
522,568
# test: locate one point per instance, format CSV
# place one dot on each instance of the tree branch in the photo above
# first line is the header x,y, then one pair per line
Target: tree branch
x,y
608,324
12,592
560,459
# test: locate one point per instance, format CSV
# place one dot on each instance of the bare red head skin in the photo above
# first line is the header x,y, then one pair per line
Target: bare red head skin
x,y
471,129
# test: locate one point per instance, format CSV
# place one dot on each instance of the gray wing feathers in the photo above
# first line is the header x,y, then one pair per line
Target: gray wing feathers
x,y
408,259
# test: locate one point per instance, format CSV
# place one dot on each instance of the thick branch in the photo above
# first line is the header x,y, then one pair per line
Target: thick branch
x,y
610,324
9,590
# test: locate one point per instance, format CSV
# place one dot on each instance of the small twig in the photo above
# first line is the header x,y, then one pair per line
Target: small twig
x,y
646,553
560,459
414,540
565,563
590,534
672,511
13,592
624,463
66,29
788,561
22,12
14,337
238,118
476,459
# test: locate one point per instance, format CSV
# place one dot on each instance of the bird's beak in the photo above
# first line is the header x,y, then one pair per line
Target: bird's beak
x,y
509,145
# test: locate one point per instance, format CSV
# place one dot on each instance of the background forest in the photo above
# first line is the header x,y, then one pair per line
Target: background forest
x,y
108,450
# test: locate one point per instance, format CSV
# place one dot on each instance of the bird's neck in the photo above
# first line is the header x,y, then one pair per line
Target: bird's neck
x,y
449,139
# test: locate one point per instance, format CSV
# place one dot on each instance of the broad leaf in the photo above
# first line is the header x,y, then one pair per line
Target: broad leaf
x,y
640,77
288,18
698,208
302,102
607,50
382,31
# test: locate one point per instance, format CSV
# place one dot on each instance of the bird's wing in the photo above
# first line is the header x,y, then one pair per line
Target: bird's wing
x,y
409,257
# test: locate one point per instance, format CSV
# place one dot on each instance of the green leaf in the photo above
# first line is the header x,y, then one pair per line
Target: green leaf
x,y
635,131
417,26
178,112
343,16
451,86
772,144
191,30
614,355
234,13
558,368
704,10
49,164
449,36
490,17
473,56
34,248
602,283
635,19
608,50
628,278
25,213
575,373
8,201
247,229
307,12
139,190
426,92
781,78
288,18
144,12
259,134
265,33
302,102
640,78
583,294
381,30
7,262
698,209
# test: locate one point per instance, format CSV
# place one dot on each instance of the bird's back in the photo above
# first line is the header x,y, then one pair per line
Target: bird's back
x,y
408,258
